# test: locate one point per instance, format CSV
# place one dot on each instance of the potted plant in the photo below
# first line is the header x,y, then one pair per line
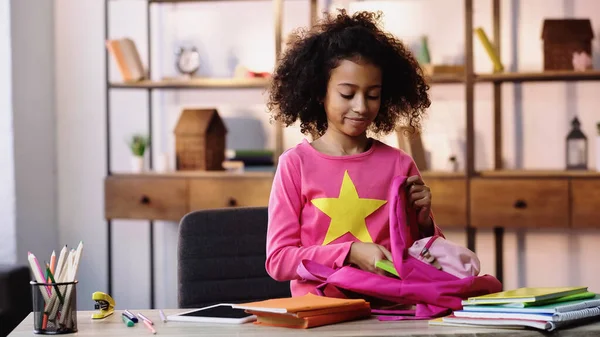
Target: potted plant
x,y
138,145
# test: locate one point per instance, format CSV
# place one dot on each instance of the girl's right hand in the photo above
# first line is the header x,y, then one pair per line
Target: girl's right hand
x,y
365,255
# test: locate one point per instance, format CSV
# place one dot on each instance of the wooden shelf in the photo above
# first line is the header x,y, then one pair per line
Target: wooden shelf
x,y
236,83
538,174
195,83
195,174
545,76
240,83
249,174
176,1
442,174
446,79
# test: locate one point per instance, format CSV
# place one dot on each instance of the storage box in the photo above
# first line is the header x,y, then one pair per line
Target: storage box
x,y
562,38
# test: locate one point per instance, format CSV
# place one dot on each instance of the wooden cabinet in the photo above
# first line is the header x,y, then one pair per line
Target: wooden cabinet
x,y
499,201
520,202
171,196
585,196
143,197
448,201
229,192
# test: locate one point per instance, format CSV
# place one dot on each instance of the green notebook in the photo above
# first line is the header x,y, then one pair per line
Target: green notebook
x,y
527,294
569,298
388,266
562,304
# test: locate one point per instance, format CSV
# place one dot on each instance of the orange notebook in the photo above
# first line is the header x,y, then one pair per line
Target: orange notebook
x,y
307,302
310,321
316,312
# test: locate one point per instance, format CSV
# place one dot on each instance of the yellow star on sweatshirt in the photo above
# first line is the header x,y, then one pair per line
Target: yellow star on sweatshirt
x,y
347,212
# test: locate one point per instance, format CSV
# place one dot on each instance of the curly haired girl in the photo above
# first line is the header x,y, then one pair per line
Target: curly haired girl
x,y
341,79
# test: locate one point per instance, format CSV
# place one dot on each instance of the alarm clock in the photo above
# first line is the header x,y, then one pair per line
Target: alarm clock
x,y
187,60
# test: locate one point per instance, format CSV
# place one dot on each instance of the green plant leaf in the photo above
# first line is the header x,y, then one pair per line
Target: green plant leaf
x,y
138,144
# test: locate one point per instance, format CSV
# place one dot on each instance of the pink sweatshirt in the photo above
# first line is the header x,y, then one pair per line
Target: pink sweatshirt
x,y
320,204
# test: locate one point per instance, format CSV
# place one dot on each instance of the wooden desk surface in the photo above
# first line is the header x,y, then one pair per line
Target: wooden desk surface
x,y
114,326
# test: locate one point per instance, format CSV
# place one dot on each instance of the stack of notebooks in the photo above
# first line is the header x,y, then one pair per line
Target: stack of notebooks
x,y
306,311
539,308
251,160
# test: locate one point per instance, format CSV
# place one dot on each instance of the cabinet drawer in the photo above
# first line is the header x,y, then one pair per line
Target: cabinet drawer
x,y
229,192
448,201
130,197
520,202
586,203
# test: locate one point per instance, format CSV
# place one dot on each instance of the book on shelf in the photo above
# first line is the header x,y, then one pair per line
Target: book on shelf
x,y
489,49
250,160
127,58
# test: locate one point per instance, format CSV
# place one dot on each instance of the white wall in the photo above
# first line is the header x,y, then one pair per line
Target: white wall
x,y
8,250
34,119
27,131
79,73
81,135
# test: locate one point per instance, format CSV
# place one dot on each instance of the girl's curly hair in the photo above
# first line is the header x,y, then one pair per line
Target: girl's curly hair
x,y
299,82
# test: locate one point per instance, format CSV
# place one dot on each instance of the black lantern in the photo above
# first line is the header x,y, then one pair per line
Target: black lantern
x,y
577,148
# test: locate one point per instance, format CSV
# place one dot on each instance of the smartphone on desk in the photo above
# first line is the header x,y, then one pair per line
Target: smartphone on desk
x,y
218,313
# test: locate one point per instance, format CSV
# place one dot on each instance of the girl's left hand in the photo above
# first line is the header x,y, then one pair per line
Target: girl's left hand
x,y
419,197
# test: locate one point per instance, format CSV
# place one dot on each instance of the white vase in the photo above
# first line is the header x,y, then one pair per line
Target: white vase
x,y
162,163
598,153
137,164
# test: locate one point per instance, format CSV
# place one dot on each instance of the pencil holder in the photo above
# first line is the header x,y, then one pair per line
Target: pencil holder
x,y
54,307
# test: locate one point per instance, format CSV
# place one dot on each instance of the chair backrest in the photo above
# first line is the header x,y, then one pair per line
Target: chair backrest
x,y
221,258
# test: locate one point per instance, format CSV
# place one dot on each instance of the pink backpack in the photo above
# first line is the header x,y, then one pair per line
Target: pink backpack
x,y
435,274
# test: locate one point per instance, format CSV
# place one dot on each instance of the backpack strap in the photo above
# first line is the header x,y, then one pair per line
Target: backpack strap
x,y
404,230
312,271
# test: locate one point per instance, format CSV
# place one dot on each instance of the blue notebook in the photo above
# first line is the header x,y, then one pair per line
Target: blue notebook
x,y
560,317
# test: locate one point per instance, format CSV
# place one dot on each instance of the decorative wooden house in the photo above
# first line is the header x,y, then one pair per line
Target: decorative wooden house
x,y
562,38
200,140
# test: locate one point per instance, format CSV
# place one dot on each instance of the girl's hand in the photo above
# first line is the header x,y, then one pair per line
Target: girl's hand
x,y
419,197
365,255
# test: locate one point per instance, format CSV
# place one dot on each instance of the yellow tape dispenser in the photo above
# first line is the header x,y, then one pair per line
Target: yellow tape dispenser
x,y
104,303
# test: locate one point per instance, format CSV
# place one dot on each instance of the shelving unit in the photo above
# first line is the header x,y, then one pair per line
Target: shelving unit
x,y
129,196
501,198
472,199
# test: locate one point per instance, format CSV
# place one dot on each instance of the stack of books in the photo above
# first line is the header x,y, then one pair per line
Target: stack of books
x,y
250,160
539,308
306,311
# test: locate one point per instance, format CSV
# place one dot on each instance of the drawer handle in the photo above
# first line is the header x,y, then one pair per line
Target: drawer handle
x,y
521,204
145,200
232,202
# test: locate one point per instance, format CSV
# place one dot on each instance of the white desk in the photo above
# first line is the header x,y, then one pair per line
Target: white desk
x,y
114,326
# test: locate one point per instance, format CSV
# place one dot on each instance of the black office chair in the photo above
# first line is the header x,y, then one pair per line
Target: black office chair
x,y
15,296
221,258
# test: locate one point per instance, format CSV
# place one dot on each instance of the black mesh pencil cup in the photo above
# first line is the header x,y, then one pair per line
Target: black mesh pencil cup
x,y
54,307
